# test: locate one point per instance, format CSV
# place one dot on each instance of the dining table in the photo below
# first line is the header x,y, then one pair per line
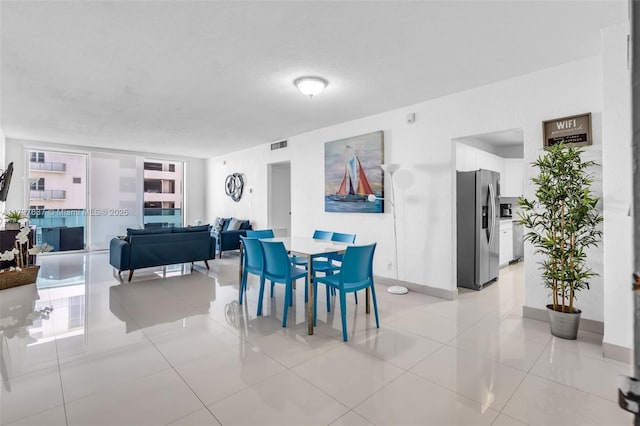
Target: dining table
x,y
309,248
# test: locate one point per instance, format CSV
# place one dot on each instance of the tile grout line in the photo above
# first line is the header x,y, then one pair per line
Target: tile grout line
x,y
527,372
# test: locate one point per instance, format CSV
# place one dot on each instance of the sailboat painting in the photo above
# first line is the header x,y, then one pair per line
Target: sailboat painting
x,y
352,172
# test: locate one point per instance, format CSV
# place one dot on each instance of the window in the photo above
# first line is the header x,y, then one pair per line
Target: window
x,y
77,180
38,185
172,167
153,166
153,186
37,157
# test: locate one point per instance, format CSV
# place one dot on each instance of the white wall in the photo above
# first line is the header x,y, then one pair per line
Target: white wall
x,y
617,185
426,208
3,144
252,163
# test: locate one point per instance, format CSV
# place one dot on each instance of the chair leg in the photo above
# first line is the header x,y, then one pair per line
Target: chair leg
x,y
287,301
343,314
243,286
306,292
131,274
206,263
355,295
315,303
272,284
375,304
260,296
291,295
328,297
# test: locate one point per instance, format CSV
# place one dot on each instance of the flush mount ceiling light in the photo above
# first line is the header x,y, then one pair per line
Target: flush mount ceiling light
x,y
310,86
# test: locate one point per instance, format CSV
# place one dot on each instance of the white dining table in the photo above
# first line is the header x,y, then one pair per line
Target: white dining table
x,y
310,248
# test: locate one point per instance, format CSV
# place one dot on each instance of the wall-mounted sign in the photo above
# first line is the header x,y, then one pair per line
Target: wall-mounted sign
x,y
574,130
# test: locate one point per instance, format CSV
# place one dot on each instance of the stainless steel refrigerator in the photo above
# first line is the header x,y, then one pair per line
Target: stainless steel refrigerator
x,y
478,227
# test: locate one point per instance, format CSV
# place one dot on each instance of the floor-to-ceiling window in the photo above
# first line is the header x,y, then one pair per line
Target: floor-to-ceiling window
x,y
58,198
163,193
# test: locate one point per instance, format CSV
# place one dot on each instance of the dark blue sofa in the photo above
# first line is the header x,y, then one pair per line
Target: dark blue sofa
x,y
144,248
229,240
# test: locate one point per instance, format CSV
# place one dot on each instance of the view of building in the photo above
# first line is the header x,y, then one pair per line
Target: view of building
x,y
163,195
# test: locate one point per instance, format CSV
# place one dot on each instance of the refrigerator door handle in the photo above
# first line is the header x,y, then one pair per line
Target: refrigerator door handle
x,y
492,204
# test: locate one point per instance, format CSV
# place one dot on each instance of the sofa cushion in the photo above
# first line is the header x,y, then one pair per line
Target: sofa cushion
x,y
245,225
131,231
191,228
217,224
234,224
225,226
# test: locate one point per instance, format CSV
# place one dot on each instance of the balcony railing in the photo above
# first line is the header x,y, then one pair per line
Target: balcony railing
x,y
51,194
48,167
162,218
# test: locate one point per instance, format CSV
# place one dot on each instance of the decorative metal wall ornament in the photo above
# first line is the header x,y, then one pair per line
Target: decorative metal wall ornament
x,y
233,186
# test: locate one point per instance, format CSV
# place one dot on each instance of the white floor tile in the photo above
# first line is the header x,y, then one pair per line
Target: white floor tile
x,y
176,347
395,346
430,325
30,394
218,375
542,402
119,367
293,347
503,420
284,399
157,399
595,376
351,419
52,417
480,379
507,348
199,418
348,375
411,400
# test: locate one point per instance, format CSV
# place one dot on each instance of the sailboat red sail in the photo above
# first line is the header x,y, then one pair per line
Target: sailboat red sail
x,y
355,185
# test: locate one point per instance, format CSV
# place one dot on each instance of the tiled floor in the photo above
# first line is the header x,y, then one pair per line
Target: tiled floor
x,y
174,347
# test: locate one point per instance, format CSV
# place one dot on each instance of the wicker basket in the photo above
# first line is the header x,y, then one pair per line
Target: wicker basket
x,y
27,275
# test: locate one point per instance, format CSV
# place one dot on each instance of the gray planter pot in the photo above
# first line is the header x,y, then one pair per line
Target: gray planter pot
x,y
563,324
12,226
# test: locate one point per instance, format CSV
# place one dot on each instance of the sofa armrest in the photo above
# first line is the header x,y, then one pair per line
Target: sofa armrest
x,y
119,254
212,247
230,240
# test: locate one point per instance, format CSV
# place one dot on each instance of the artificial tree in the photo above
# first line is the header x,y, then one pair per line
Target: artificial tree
x,y
562,222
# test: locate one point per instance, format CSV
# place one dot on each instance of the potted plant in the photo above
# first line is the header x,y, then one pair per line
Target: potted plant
x,y
23,272
12,219
562,222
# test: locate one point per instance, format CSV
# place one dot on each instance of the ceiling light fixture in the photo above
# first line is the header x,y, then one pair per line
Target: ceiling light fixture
x,y
310,86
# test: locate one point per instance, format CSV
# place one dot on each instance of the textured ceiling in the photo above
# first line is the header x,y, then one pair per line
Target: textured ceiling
x,y
205,78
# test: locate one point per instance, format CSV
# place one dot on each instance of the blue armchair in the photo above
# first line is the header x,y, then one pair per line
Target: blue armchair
x,y
228,239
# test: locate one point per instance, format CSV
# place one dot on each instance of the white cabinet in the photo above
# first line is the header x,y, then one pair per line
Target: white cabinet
x,y
512,181
506,242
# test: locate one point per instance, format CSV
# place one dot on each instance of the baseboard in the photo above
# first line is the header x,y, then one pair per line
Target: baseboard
x,y
542,315
423,289
619,353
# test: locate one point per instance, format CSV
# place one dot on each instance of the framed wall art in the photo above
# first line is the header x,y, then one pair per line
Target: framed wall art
x,y
352,173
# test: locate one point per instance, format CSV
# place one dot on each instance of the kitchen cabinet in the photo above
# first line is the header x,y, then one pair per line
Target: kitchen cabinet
x,y
513,178
506,242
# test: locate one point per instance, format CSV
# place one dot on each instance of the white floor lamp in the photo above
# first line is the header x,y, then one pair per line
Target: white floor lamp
x,y
391,169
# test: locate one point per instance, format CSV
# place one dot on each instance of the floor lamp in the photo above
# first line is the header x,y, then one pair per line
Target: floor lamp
x,y
391,169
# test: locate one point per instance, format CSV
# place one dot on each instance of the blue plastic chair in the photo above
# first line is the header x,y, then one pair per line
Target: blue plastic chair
x,y
355,274
252,262
260,233
337,257
278,269
317,235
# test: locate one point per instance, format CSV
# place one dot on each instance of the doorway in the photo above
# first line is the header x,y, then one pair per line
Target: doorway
x,y
279,198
